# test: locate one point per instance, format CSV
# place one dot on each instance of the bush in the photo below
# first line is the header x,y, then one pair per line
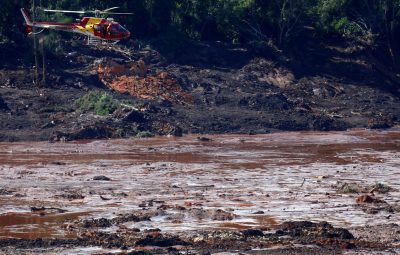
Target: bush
x,y
382,188
101,103
349,188
53,43
106,104
145,134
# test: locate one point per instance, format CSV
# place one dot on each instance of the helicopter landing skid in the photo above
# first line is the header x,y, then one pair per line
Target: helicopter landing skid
x,y
96,41
36,33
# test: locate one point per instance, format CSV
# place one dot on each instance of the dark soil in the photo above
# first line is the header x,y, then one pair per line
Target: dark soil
x,y
288,238
234,89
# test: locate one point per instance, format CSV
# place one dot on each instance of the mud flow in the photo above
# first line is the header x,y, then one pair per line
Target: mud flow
x,y
192,185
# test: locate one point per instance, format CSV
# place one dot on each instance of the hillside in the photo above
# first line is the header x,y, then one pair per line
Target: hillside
x,y
197,87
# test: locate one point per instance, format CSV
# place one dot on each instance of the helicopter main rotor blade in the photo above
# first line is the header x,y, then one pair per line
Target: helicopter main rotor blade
x,y
96,12
118,13
64,11
110,9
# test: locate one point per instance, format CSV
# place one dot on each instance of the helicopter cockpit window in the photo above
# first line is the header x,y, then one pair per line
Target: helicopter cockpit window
x,y
117,28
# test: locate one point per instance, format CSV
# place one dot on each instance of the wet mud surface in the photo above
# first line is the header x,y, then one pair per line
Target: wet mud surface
x,y
282,193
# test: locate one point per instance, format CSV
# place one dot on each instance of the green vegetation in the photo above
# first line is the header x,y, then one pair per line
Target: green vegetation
x,y
349,189
382,188
101,103
145,134
374,24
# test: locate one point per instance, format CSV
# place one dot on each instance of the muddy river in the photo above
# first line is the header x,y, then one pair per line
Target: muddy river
x,y
219,183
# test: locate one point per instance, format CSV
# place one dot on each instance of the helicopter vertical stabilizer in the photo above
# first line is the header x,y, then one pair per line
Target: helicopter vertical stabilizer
x,y
27,18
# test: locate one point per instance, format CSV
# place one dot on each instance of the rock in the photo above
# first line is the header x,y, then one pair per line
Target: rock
x,y
129,115
105,198
72,196
221,215
58,163
315,230
252,232
101,178
204,139
42,209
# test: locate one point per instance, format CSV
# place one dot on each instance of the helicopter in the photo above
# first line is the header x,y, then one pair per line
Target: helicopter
x,y
96,29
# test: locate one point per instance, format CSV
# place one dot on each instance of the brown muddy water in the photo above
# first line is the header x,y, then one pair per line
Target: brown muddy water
x,y
260,181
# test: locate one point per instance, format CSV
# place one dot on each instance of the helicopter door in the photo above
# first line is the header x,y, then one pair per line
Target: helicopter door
x,y
100,30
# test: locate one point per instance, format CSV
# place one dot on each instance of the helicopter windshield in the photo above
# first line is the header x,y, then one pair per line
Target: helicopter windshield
x,y
117,28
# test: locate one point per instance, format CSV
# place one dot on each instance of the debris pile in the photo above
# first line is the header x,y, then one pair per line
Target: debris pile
x,y
268,72
136,79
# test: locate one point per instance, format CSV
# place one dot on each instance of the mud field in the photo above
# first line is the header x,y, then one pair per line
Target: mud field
x,y
282,193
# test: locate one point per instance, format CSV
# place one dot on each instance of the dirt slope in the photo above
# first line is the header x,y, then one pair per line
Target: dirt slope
x,y
197,88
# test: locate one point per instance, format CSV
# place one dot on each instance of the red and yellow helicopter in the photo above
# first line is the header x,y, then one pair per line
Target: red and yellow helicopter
x,y
95,28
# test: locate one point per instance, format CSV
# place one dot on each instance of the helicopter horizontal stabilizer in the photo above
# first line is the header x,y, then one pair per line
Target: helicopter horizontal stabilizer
x,y
29,30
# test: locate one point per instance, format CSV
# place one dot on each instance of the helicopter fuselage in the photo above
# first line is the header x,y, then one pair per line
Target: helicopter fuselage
x,y
104,29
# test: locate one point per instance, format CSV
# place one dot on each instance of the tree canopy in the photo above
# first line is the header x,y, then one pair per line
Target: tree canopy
x,y
373,23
